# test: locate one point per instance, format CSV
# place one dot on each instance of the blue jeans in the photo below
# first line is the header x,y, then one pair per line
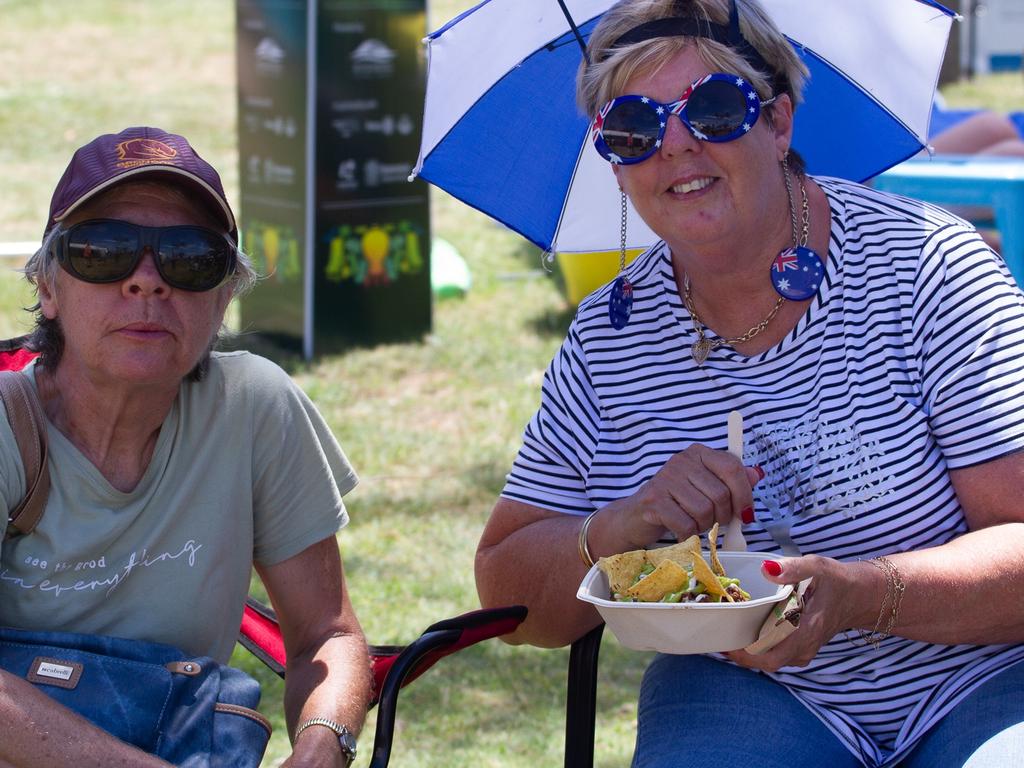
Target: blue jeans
x,y
698,712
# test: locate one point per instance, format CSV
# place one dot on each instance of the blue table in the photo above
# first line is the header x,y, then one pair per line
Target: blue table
x,y
993,182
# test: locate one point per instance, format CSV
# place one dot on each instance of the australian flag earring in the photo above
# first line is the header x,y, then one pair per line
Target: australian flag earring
x,y
620,299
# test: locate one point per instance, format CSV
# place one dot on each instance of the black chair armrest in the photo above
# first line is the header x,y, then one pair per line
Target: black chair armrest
x,y
439,639
581,700
387,705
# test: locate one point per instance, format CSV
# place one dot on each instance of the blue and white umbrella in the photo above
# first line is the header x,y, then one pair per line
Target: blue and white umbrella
x,y
502,133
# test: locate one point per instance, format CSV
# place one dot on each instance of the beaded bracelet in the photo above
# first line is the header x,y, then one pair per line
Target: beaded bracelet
x,y
893,598
584,549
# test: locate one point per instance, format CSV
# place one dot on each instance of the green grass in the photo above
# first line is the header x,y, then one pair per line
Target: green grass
x,y
432,427
72,69
14,296
1001,91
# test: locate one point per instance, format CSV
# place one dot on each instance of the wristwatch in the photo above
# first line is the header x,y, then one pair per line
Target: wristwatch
x,y
346,740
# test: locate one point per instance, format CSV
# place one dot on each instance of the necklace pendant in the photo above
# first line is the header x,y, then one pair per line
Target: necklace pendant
x,y
797,273
700,350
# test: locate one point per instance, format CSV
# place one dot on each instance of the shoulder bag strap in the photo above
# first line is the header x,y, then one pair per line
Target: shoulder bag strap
x,y
25,413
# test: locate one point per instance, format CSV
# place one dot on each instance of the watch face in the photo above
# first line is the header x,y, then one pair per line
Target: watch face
x,y
348,743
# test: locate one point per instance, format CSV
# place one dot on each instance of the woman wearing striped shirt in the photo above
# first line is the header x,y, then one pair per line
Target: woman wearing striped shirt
x,y
873,346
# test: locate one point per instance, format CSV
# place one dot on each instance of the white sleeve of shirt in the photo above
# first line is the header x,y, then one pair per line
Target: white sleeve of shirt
x,y
559,442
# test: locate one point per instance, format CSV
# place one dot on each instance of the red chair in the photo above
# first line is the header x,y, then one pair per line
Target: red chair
x,y
393,666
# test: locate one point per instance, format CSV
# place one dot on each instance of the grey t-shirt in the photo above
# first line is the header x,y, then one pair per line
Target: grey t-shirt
x,y
244,469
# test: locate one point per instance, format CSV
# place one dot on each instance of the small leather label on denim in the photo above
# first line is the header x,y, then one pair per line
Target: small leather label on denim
x,y
59,672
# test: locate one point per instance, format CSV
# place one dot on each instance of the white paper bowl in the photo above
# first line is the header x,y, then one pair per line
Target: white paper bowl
x,y
690,627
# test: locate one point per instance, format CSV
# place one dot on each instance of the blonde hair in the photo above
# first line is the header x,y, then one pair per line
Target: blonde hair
x,y
608,70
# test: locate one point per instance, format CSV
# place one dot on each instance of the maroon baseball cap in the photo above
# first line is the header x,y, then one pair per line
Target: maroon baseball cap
x,y
135,152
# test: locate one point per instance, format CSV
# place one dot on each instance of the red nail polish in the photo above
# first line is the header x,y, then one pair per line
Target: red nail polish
x,y
760,471
747,515
772,568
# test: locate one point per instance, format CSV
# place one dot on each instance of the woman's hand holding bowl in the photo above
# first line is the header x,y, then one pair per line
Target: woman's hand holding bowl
x,y
838,597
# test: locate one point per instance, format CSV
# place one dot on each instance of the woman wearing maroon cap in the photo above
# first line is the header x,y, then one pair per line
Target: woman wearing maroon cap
x,y
174,469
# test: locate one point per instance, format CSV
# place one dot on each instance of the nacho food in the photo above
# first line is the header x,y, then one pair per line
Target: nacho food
x,y
710,580
622,570
667,578
681,553
675,574
716,564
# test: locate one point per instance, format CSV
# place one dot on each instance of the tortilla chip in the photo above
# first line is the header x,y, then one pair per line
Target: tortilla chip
x,y
622,569
681,553
669,576
716,564
707,577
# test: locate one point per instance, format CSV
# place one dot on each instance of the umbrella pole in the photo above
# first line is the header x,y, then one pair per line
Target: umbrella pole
x,y
575,30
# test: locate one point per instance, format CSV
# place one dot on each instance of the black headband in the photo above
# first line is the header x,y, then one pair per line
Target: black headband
x,y
680,26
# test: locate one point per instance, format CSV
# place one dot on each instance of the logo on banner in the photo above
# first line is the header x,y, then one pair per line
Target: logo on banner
x,y
355,105
376,173
390,125
378,254
274,249
347,127
372,58
279,125
263,170
348,27
269,56
347,180
269,51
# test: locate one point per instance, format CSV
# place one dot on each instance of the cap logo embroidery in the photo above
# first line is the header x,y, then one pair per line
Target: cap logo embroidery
x,y
136,152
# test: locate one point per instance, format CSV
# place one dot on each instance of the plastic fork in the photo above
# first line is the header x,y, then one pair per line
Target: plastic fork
x,y
733,539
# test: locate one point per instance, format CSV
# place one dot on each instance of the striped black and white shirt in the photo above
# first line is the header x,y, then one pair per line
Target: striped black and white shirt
x,y
909,362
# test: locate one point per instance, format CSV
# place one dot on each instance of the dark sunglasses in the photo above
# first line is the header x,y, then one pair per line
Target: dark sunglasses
x,y
717,108
108,250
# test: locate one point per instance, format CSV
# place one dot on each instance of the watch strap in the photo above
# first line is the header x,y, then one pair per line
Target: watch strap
x,y
346,739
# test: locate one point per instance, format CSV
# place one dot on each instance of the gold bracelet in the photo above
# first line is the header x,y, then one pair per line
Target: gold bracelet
x,y
898,587
893,598
584,549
